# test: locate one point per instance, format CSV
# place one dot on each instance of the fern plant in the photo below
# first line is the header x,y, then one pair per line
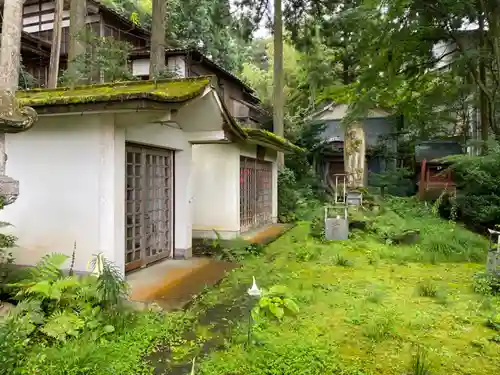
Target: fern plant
x,y
61,306
111,286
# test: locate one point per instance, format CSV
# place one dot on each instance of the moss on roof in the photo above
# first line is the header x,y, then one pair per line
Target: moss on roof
x,y
271,139
168,90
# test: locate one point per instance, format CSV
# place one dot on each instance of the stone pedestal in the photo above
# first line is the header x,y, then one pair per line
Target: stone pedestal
x,y
9,190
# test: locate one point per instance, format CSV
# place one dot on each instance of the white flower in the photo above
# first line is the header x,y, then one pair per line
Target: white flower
x,y
254,291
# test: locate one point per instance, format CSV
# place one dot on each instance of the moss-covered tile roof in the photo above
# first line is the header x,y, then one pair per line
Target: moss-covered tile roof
x,y
168,90
270,139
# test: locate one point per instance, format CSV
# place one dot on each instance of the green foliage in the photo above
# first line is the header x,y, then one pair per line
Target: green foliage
x,y
307,253
111,286
317,226
420,363
494,322
397,182
341,261
14,342
478,179
60,306
105,58
7,242
234,250
136,335
486,283
427,289
438,240
288,196
208,25
26,80
276,303
381,326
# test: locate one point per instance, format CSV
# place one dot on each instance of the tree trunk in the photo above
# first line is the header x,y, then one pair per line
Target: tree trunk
x,y
55,52
158,43
77,15
278,98
10,53
12,118
483,99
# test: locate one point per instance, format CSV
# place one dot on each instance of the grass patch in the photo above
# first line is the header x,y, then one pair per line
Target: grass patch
x,y
341,261
427,289
367,319
362,320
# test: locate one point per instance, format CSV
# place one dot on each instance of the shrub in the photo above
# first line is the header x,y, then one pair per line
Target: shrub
x,y
7,242
317,227
486,283
14,342
288,196
296,199
478,179
398,182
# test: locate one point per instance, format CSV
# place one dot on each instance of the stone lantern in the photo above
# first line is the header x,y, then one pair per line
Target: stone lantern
x,y
13,119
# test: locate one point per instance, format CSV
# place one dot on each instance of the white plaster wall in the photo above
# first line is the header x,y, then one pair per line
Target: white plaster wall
x,y
175,139
140,67
177,64
60,203
72,175
216,170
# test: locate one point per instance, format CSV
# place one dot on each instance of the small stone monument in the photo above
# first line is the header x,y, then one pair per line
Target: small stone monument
x,y
336,228
355,198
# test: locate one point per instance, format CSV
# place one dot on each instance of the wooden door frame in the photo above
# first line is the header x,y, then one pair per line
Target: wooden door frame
x,y
142,262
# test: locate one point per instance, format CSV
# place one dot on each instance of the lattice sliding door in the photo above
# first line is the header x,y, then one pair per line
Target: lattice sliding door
x,y
149,205
255,193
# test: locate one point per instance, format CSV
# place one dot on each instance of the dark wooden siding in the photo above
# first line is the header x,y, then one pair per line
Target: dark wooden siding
x,y
114,28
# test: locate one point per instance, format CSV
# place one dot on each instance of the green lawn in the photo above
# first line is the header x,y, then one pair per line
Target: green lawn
x,y
362,311
366,315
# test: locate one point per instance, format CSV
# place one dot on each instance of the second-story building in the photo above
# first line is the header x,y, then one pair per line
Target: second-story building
x,y
38,23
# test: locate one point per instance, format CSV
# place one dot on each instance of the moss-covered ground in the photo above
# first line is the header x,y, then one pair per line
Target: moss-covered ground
x,y
367,305
362,309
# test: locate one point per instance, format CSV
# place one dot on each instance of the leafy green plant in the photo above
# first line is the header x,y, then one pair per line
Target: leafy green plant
x,y
375,296
105,58
317,226
233,250
342,261
419,364
486,283
306,253
397,182
111,286
276,303
14,341
61,306
493,322
427,289
380,327
7,242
